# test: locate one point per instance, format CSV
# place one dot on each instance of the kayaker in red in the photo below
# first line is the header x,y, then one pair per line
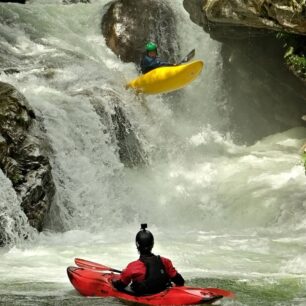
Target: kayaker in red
x,y
149,274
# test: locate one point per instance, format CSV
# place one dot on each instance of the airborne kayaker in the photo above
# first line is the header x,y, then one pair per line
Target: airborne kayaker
x,y
151,61
151,273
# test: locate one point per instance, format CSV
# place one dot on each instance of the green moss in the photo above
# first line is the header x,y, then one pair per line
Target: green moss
x,y
298,63
16,179
295,53
303,157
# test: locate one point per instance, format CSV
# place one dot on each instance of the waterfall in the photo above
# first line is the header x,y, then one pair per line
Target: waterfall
x,y
199,187
12,218
194,163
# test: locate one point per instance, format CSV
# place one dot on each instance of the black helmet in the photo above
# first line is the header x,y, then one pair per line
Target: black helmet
x,y
144,240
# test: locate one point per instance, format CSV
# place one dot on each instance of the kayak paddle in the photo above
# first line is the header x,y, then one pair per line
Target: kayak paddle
x,y
188,57
82,263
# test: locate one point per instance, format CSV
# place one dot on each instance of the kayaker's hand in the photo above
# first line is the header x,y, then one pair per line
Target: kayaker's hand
x,y
178,280
118,284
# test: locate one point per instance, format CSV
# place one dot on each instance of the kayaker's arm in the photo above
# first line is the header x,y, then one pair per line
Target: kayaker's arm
x,y
149,63
123,279
175,277
178,280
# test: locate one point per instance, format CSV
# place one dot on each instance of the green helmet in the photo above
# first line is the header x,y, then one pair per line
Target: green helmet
x,y
151,46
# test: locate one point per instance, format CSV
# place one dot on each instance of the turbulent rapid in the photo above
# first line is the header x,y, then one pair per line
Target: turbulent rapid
x,y
227,214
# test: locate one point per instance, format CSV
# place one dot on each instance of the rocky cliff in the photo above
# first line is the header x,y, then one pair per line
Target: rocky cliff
x,y
23,155
280,15
255,74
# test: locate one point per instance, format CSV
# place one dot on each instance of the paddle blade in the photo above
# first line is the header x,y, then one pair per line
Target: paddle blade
x,y
188,57
93,265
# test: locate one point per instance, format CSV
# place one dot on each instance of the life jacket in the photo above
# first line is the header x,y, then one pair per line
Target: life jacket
x,y
156,278
149,63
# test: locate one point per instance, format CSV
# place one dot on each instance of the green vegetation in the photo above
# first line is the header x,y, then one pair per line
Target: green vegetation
x,y
295,53
296,62
303,157
16,179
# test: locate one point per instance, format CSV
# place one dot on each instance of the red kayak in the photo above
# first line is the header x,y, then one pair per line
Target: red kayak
x,y
92,280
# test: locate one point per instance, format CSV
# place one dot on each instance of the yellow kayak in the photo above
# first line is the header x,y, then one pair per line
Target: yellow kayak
x,y
166,79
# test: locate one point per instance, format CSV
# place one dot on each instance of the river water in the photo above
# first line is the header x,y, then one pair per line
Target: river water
x,y
228,215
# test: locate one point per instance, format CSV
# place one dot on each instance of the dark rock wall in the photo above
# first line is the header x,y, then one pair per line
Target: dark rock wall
x,y
75,1
128,25
130,150
23,155
263,96
14,1
286,15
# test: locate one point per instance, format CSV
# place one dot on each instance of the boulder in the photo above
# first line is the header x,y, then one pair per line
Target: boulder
x,y
109,106
75,1
130,151
23,155
277,15
128,25
14,1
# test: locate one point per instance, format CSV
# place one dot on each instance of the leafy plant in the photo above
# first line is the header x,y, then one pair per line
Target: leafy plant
x,y
295,52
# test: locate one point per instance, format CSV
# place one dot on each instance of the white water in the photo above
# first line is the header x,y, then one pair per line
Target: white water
x,y
217,209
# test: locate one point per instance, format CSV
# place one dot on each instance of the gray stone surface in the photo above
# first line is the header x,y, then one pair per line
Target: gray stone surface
x,y
23,155
277,15
128,25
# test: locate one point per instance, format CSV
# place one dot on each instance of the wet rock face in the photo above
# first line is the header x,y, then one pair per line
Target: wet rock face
x,y
131,152
75,1
128,25
23,155
193,7
15,1
108,105
285,15
263,96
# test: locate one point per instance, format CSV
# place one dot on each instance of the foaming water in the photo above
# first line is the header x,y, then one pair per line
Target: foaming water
x,y
234,214
11,217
